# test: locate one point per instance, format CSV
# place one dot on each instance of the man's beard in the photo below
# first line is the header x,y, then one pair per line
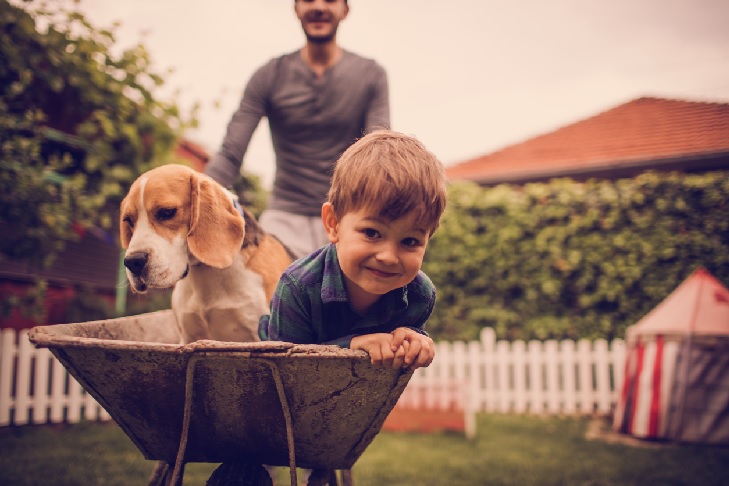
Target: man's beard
x,y
321,39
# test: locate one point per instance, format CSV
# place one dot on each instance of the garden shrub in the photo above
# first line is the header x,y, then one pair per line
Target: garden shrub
x,y
568,259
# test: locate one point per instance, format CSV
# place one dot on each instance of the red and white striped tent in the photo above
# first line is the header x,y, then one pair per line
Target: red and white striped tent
x,y
676,382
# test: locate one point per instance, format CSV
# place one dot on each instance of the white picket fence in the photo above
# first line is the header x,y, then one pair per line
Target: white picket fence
x,y
538,377
549,377
35,388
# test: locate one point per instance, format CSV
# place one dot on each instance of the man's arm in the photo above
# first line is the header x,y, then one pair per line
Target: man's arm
x,y
224,166
378,110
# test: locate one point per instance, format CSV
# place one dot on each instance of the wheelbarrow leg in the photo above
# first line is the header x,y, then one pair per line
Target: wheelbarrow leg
x,y
323,477
159,473
162,475
347,478
333,478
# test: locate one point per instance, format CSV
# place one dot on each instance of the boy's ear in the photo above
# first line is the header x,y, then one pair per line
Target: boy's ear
x,y
330,221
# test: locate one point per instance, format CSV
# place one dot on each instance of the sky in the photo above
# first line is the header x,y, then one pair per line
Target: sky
x,y
466,77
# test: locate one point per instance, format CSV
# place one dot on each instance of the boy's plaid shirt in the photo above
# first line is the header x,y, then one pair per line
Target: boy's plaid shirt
x,y
310,305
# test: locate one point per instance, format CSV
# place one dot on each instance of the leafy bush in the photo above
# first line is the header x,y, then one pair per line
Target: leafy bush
x,y
78,123
568,259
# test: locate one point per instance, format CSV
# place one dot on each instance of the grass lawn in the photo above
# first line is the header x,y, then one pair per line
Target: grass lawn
x,y
509,450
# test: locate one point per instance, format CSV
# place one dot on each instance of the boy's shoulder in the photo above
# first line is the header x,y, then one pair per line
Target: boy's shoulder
x,y
309,270
422,285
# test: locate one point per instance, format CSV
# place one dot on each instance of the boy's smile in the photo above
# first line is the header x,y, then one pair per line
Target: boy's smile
x,y
376,255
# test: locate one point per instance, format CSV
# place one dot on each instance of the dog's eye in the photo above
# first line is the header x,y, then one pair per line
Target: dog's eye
x,y
165,214
128,220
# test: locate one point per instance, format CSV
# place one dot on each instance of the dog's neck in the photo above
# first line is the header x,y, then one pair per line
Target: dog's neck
x,y
247,253
199,271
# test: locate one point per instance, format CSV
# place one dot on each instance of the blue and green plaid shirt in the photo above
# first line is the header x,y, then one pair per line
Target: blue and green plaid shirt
x,y
310,305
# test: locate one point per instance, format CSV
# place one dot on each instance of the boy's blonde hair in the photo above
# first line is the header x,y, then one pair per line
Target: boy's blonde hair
x,y
392,173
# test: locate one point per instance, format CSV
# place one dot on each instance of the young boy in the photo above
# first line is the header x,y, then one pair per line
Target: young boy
x,y
365,289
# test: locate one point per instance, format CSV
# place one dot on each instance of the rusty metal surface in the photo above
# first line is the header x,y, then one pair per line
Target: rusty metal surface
x,y
136,371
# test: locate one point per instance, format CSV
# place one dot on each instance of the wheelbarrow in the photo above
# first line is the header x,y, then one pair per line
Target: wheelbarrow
x,y
264,403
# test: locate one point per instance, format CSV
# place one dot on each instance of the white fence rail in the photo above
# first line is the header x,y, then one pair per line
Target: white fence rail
x,y
549,377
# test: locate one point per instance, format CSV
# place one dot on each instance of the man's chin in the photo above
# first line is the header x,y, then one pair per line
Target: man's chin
x,y
320,38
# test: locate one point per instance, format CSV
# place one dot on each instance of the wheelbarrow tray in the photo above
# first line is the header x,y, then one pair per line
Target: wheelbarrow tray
x,y
135,368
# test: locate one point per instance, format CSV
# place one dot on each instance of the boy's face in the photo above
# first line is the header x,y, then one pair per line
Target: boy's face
x,y
320,18
376,255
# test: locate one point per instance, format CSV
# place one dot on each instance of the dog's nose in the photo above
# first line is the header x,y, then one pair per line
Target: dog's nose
x,y
136,262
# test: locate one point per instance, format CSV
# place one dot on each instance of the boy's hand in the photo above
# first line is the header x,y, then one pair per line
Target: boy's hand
x,y
419,349
379,347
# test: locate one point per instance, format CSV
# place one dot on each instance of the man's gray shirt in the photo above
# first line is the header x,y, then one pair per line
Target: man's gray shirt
x,y
312,121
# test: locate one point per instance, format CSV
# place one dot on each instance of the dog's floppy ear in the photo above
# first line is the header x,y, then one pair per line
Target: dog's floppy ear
x,y
216,227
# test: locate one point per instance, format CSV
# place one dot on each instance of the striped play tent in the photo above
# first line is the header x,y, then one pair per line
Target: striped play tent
x,y
676,384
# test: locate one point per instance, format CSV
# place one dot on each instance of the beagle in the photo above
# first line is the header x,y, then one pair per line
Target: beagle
x,y
179,227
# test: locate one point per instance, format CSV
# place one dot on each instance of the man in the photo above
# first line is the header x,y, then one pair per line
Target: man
x,y
318,101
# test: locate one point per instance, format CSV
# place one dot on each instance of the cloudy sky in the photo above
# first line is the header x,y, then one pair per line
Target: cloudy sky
x,y
467,77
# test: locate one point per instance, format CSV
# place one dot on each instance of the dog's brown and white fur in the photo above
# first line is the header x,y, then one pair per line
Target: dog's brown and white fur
x,y
179,227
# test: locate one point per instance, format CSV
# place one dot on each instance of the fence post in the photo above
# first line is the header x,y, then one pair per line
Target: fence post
x,y
551,361
617,362
7,373
22,386
536,376
461,378
488,344
503,365
585,386
59,376
518,349
41,398
567,358
476,377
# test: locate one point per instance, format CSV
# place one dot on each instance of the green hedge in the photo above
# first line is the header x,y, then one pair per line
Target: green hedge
x,y
570,259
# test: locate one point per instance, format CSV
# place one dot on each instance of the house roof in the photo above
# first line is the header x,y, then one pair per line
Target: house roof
x,y
646,133
192,153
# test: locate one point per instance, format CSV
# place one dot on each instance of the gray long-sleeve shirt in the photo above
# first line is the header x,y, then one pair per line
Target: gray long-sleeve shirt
x,y
312,121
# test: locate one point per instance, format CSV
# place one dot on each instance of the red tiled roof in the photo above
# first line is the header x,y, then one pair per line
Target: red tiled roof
x,y
192,153
641,133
